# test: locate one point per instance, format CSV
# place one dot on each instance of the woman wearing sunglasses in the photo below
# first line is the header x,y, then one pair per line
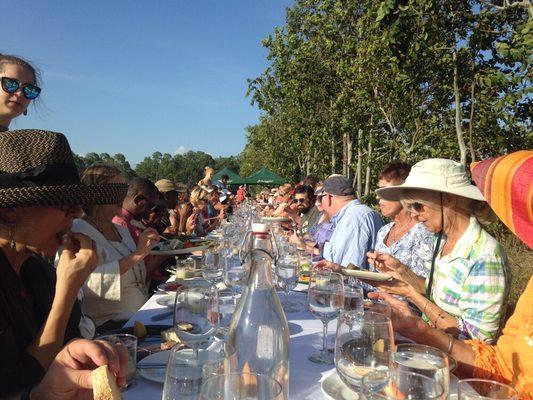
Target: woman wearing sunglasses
x,y
19,87
467,283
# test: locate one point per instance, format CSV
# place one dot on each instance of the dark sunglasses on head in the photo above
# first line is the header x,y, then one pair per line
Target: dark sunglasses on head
x,y
29,90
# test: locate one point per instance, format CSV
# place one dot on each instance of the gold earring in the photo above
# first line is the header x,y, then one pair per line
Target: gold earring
x,y
12,236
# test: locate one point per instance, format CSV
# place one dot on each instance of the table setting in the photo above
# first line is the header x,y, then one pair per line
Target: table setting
x,y
197,315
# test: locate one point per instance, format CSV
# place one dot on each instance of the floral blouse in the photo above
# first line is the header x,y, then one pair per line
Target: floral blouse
x,y
414,249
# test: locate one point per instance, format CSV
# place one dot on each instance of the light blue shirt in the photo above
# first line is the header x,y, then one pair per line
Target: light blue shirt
x,y
354,234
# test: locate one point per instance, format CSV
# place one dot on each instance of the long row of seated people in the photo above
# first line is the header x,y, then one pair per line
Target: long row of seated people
x,y
443,262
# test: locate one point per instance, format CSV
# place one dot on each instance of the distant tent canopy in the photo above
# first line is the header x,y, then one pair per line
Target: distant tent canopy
x,y
234,178
265,177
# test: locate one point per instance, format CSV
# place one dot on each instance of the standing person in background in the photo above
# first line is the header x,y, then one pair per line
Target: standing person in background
x,y
206,180
241,194
20,85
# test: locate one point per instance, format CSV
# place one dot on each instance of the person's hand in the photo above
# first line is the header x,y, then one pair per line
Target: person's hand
x,y
78,259
147,239
393,286
70,374
387,264
403,319
325,265
190,225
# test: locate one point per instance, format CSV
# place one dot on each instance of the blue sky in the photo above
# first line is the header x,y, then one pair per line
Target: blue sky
x,y
141,76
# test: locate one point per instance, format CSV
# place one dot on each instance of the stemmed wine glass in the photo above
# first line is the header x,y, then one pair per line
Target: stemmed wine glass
x,y
288,271
241,386
325,297
212,271
196,315
235,274
363,344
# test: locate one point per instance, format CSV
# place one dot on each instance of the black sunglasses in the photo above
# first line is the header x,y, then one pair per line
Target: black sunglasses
x,y
415,206
29,90
301,201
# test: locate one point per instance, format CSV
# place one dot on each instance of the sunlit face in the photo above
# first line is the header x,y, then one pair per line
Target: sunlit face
x,y
303,203
426,208
14,104
388,208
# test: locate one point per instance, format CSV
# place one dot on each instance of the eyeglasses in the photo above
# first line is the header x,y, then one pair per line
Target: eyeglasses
x,y
301,201
415,206
319,197
29,90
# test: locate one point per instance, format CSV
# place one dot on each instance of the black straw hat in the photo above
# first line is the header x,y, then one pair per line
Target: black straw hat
x,y
37,169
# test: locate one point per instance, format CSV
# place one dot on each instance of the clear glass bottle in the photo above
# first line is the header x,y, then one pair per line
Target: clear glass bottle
x,y
258,331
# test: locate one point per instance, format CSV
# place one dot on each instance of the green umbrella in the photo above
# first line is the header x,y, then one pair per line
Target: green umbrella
x,y
265,177
234,178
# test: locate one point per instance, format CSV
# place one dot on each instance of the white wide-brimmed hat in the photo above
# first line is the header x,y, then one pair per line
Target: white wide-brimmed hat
x,y
438,175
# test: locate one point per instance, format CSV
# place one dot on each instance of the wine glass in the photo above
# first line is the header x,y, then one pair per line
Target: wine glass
x,y
481,389
212,271
188,369
288,271
399,385
235,274
362,345
377,306
424,360
325,297
353,299
196,314
241,386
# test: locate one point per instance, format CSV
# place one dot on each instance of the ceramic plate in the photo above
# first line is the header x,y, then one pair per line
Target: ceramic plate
x,y
168,287
166,300
178,251
335,389
156,374
371,276
276,219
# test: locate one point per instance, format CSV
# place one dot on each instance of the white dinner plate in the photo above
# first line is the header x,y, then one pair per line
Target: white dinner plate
x,y
371,276
276,219
155,374
335,388
178,251
166,300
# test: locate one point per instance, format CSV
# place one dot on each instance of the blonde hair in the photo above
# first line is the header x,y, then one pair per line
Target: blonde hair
x,y
478,209
285,188
198,194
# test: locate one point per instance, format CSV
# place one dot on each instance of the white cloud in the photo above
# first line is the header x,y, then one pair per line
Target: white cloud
x,y
181,150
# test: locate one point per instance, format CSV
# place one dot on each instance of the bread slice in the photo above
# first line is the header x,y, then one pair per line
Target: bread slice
x,y
105,384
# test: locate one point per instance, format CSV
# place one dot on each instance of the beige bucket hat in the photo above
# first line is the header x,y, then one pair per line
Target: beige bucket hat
x,y
438,175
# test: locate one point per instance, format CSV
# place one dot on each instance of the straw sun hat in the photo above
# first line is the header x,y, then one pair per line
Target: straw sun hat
x,y
37,169
438,175
166,185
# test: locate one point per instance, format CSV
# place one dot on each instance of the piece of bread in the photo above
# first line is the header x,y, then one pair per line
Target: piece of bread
x,y
105,384
170,335
168,345
139,329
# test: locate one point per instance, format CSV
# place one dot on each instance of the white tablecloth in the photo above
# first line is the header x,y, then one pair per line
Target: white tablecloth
x,y
306,338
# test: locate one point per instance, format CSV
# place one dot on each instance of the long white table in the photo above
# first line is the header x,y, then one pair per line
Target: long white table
x,y
306,338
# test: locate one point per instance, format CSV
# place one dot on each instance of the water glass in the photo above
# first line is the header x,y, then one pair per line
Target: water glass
x,y
242,386
424,360
188,369
399,385
362,345
481,389
199,308
353,299
235,274
213,269
288,272
325,297
377,306
130,342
